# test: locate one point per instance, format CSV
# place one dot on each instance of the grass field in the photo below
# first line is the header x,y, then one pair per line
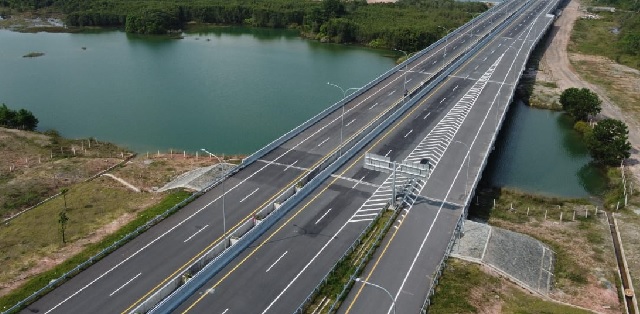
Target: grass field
x,y
35,239
585,268
467,288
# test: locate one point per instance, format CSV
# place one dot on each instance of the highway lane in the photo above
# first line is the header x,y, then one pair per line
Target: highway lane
x,y
426,232
241,288
125,276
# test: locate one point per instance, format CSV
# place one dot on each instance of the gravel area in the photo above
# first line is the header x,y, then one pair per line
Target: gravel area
x,y
474,240
520,256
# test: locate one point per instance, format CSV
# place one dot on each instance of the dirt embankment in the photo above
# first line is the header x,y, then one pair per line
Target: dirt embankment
x,y
618,86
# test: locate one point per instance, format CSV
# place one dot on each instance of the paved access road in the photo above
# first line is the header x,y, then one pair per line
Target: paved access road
x,y
123,279
453,127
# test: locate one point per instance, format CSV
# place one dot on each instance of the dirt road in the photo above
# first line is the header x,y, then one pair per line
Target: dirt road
x,y
556,67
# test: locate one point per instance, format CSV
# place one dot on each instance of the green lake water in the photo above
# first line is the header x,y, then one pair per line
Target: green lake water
x,y
230,90
233,90
538,151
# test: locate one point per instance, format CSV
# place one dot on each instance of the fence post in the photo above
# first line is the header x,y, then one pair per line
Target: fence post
x,y
560,216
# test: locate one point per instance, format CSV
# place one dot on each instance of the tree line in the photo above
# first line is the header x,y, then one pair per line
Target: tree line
x,y
608,139
406,25
21,119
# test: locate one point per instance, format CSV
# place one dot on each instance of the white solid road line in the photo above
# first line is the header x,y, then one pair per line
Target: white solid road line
x,y
457,174
225,311
291,165
276,262
126,283
193,235
349,122
317,221
359,181
405,136
248,195
325,140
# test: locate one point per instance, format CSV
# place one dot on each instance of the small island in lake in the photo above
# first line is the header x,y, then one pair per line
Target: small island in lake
x,y
33,55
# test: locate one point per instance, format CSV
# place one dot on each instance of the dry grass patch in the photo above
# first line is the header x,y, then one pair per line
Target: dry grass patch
x,y
470,288
585,269
629,227
32,243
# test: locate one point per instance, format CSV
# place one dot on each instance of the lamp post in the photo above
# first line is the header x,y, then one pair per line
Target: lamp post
x,y
446,42
404,88
468,160
393,302
344,95
224,174
473,17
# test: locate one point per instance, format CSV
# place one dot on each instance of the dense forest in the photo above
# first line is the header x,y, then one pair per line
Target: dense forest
x,y
407,25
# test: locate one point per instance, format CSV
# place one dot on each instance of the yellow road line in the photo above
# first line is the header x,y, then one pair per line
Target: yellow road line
x,y
216,241
384,250
398,123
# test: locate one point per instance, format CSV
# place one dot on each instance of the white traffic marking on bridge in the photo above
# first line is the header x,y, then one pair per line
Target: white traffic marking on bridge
x,y
476,67
359,181
392,92
291,165
126,283
405,136
317,221
373,106
454,89
387,154
248,195
485,59
425,117
193,235
349,122
454,47
409,80
434,62
455,178
217,198
276,262
325,140
443,99
225,311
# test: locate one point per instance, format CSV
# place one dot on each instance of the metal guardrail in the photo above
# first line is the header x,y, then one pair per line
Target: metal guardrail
x,y
176,285
297,130
247,161
460,223
171,302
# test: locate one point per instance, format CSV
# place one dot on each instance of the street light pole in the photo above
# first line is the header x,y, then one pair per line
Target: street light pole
x,y
473,17
344,95
468,160
224,177
404,88
446,42
393,302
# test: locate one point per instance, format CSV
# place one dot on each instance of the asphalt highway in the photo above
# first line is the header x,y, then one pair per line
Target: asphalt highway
x,y
454,127
123,279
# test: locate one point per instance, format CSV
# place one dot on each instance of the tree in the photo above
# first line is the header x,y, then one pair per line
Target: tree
x,y
63,219
25,120
62,216
580,103
608,142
